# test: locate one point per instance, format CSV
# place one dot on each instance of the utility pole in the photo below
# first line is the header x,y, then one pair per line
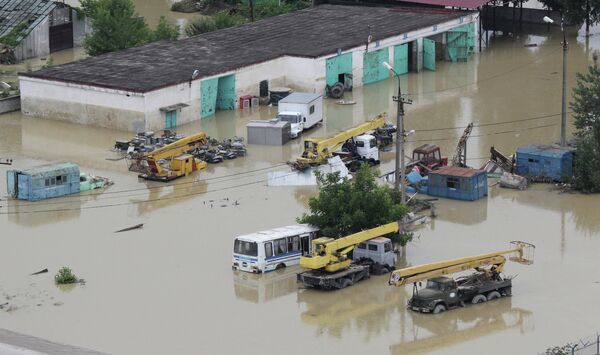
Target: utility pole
x,y
400,172
563,122
565,46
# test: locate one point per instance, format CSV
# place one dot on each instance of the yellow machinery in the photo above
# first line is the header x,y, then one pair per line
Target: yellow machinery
x,y
172,160
318,150
330,267
442,293
522,253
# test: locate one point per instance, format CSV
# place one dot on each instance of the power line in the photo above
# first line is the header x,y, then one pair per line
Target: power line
x,y
493,123
483,135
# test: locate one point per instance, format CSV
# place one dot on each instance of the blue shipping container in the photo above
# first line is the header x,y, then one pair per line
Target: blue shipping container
x,y
42,182
458,183
545,161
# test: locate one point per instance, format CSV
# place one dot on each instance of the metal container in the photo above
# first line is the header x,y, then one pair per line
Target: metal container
x,y
457,183
545,161
272,132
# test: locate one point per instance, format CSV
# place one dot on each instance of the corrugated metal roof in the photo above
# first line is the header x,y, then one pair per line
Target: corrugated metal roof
x,y
468,4
299,98
544,150
457,171
15,12
52,168
308,33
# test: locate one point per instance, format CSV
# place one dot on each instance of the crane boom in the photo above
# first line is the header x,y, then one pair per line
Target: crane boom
x,y
495,260
317,150
178,147
331,254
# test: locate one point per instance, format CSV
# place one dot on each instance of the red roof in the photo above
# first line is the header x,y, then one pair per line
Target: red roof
x,y
469,4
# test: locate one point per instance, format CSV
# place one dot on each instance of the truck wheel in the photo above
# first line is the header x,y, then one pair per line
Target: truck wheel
x,y
507,291
384,270
439,309
377,269
479,299
345,283
493,295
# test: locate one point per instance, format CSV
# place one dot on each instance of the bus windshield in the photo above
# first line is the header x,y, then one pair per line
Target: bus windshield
x,y
245,248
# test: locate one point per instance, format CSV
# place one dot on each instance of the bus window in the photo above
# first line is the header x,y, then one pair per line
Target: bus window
x,y
245,248
294,243
268,250
280,246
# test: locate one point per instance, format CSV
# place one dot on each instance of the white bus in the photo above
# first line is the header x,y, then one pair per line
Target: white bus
x,y
272,249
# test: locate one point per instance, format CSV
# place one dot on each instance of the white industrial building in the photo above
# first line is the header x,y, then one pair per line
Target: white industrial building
x,y
167,83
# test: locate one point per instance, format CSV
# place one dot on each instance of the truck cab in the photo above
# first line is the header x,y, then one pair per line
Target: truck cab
x,y
438,290
378,251
296,120
366,147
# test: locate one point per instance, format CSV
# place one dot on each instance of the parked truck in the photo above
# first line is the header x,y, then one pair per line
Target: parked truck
x,y
328,265
442,292
301,110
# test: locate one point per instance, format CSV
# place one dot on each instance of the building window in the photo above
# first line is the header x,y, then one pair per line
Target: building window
x,y
452,183
312,109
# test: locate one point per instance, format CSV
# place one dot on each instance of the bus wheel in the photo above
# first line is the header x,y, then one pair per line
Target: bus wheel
x,y
280,266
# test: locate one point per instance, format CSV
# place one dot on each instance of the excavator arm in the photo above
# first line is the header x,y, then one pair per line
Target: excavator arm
x,y
522,253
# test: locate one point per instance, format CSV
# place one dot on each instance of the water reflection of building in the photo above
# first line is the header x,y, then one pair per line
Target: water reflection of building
x,y
434,332
461,212
160,196
59,210
259,288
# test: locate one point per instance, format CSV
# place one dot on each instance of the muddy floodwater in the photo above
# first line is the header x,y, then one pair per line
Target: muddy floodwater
x,y
168,288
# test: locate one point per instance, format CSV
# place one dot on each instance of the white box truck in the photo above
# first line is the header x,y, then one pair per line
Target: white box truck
x,y
301,110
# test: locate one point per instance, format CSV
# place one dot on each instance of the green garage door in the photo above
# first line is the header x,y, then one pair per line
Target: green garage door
x,y
461,43
428,54
208,97
226,93
373,69
401,58
334,66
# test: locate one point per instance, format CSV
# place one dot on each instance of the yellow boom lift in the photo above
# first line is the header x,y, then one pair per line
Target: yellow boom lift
x,y
171,161
442,292
318,150
329,266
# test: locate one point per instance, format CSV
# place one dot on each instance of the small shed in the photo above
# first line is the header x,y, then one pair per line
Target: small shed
x,y
545,161
42,182
271,132
458,183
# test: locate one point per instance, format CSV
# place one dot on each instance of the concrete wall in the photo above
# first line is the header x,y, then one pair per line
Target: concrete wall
x,y
81,27
186,93
82,104
36,44
9,104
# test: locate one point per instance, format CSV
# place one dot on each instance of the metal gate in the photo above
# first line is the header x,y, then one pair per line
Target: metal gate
x,y
401,58
461,43
61,37
208,97
373,69
334,66
428,54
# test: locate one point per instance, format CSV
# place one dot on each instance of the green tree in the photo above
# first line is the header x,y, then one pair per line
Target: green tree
x,y
222,19
115,26
577,11
346,206
586,111
165,31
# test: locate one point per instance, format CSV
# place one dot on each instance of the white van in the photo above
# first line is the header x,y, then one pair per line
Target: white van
x,y
272,249
301,110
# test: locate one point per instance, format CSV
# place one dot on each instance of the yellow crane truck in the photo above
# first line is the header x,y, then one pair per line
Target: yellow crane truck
x,y
442,292
171,161
354,144
328,266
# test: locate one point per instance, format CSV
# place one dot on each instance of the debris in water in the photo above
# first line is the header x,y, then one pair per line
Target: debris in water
x,y
137,226
530,45
307,177
6,161
513,181
40,272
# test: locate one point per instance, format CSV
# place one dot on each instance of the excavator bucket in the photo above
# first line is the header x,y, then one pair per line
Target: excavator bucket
x,y
524,252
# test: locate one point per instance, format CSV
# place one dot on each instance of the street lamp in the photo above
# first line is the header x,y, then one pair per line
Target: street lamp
x,y
565,46
400,134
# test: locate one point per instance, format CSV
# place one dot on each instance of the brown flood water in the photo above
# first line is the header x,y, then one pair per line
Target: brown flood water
x,y
168,288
